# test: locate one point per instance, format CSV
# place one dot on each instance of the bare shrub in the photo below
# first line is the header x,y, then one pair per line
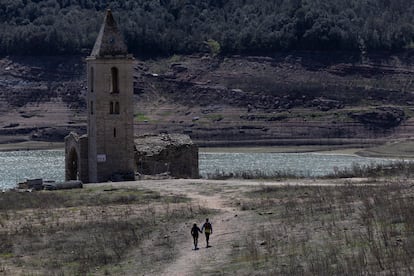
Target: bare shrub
x,y
253,174
397,168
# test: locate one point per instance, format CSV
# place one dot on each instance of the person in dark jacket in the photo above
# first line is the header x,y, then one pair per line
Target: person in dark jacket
x,y
194,232
208,229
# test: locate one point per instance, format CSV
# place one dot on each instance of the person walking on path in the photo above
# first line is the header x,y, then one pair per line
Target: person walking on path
x,y
208,229
194,232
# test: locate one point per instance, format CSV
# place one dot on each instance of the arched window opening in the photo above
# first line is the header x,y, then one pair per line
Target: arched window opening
x,y
111,108
114,80
116,107
115,132
72,165
91,79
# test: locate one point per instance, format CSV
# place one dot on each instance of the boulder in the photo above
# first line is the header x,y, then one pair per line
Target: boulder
x,y
326,104
175,154
67,185
52,134
382,117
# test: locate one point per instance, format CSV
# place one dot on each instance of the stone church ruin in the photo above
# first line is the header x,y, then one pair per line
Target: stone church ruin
x,y
107,152
174,154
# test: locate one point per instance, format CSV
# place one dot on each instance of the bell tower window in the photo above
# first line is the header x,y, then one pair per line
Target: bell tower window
x,y
91,79
114,80
116,107
111,108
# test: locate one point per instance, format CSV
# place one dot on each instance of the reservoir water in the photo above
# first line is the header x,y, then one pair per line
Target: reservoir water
x,y
17,166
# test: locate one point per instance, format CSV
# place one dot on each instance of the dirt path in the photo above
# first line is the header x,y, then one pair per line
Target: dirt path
x,y
189,261
228,223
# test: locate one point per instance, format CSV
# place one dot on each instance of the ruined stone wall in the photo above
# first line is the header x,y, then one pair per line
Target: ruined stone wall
x,y
76,152
175,154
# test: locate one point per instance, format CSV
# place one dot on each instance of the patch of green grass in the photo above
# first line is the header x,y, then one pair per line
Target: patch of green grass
x,y
6,255
141,118
166,113
215,117
409,111
161,66
176,58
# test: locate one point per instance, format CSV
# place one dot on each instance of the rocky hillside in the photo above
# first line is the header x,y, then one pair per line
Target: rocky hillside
x,y
41,98
291,98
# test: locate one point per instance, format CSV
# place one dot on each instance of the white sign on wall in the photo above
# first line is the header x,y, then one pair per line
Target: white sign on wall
x,y
101,158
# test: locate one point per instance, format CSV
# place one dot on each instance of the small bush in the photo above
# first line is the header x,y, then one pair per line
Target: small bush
x,y
213,46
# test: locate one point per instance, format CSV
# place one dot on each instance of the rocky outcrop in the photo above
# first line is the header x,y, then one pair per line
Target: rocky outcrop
x,y
381,117
33,80
233,100
174,154
55,134
326,104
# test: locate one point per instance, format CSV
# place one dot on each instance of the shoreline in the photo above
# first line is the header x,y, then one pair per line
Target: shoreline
x,y
285,149
31,145
397,149
42,145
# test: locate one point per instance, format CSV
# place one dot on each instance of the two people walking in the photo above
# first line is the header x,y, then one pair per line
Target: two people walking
x,y
208,230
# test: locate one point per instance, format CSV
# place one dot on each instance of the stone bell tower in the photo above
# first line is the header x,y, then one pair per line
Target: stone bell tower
x,y
110,106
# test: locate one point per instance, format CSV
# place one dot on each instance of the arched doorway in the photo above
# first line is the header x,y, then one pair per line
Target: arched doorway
x,y
73,165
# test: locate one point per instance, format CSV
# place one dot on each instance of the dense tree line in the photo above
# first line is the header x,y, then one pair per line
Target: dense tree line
x,y
160,27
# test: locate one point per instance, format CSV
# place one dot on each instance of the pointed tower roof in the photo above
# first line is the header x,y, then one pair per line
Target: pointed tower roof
x,y
110,41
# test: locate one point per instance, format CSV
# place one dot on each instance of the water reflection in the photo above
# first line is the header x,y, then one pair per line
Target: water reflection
x,y
17,166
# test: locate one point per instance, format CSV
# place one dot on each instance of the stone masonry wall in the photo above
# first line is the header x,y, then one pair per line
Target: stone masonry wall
x,y
175,154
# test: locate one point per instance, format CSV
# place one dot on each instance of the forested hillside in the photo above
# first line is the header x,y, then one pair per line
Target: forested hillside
x,y
162,27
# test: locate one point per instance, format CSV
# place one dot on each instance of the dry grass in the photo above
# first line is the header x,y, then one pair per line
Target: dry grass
x,y
88,196
394,169
253,174
277,230
341,230
89,231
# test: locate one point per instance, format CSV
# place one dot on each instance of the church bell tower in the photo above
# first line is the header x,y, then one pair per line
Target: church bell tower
x,y
110,106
